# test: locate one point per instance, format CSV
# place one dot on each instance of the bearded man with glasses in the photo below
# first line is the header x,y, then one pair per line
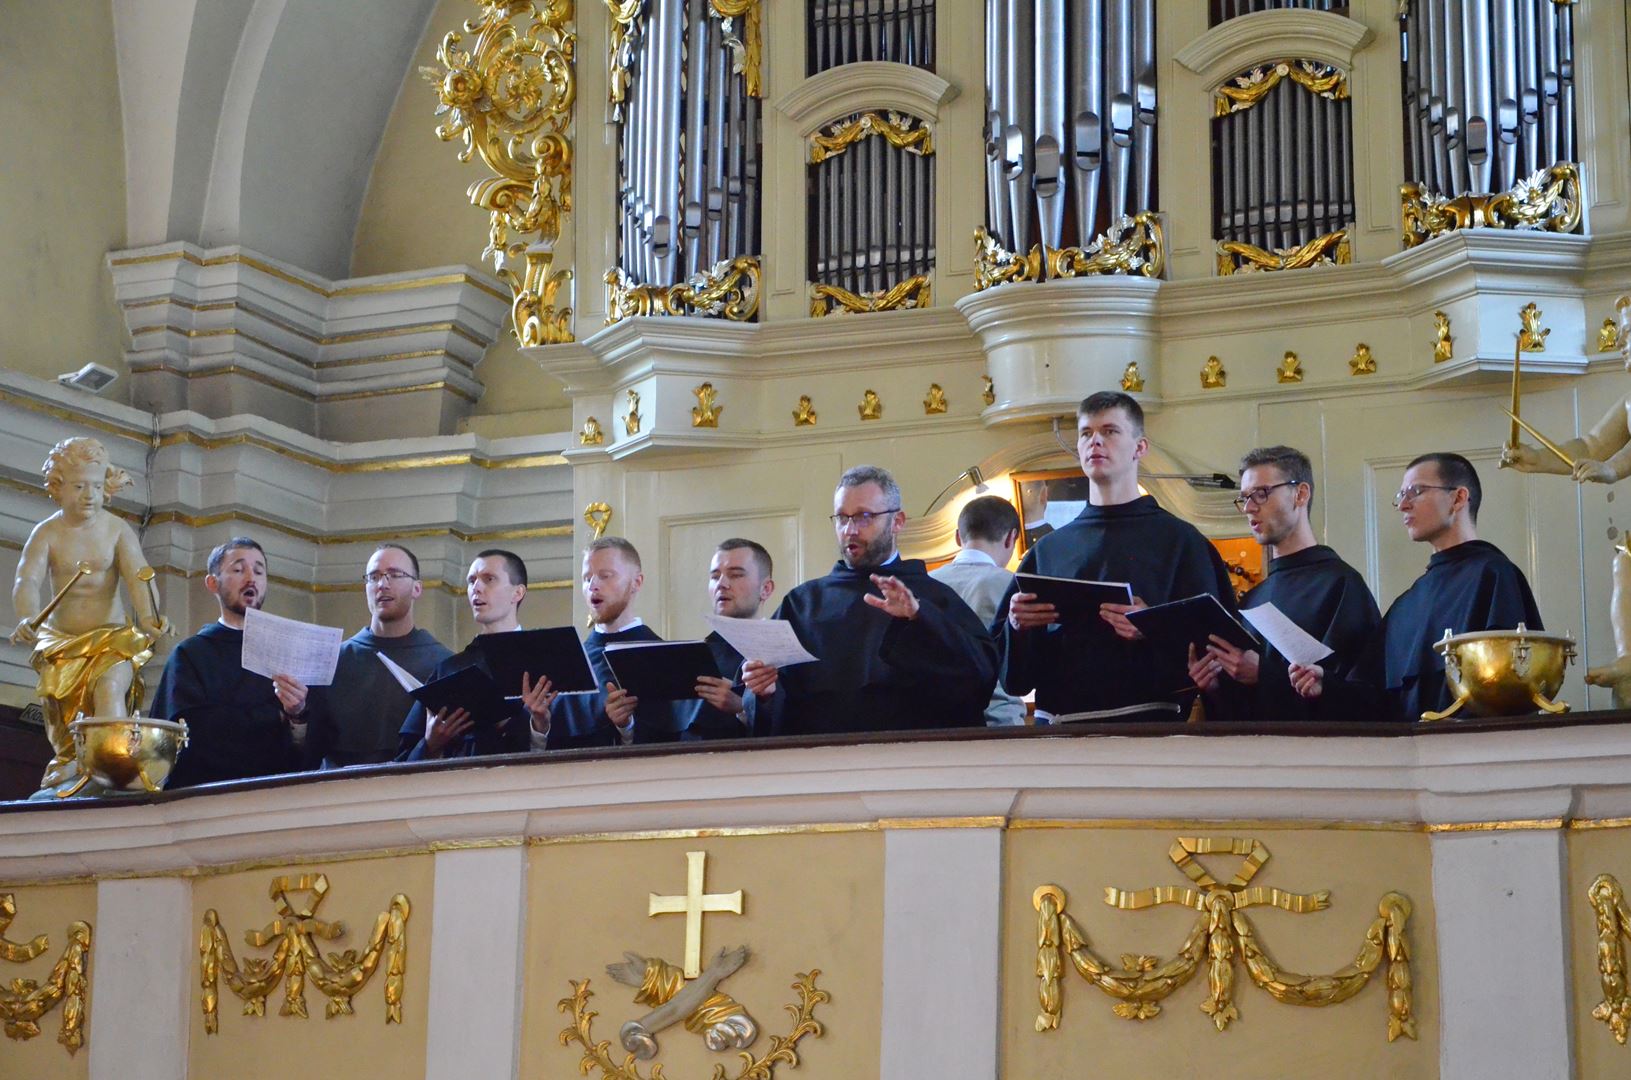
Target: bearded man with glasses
x,y
897,650
1469,585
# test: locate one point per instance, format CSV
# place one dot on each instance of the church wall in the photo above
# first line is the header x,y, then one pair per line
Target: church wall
x,y
47,910
1590,853
62,194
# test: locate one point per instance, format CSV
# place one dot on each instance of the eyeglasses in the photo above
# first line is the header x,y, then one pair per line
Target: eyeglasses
x,y
395,577
1257,496
1413,492
862,519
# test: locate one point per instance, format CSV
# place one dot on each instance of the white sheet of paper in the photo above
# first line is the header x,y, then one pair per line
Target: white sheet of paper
x,y
1289,640
769,640
402,675
305,652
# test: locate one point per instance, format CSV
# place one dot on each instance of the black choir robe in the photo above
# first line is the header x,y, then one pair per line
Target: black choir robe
x,y
515,738
235,726
1329,599
875,672
1083,666
579,720
1469,587
707,722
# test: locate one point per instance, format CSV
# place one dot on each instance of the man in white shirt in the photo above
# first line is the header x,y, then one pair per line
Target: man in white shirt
x,y
987,530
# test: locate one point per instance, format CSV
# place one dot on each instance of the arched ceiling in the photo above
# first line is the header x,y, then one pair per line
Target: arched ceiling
x,y
255,122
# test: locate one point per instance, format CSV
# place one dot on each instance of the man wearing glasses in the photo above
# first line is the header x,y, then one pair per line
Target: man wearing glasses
x,y
897,650
1469,584
356,721
1311,585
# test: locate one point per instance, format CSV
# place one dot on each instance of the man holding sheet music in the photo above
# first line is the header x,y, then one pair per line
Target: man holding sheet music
x,y
897,650
1095,660
239,724
1329,608
739,583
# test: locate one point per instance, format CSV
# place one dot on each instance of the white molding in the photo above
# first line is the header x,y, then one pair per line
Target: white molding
x,y
1246,41
870,84
142,948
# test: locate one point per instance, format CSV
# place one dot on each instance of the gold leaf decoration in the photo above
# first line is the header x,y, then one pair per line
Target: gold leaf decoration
x,y
729,289
25,1001
1131,245
894,127
996,265
830,299
1236,257
1244,91
1548,201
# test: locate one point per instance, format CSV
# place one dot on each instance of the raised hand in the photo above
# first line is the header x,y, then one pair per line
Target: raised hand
x,y
897,599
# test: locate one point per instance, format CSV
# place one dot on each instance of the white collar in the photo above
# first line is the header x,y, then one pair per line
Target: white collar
x,y
638,621
973,556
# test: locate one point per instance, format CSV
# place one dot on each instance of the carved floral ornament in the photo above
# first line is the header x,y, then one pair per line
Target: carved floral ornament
x,y
1548,201
25,1001
1246,90
895,128
729,289
1132,245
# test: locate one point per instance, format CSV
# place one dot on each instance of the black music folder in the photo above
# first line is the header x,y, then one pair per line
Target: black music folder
x,y
661,670
1191,621
469,688
1074,599
555,653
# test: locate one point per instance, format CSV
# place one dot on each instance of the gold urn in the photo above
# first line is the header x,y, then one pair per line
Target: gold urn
x,y
125,753
1504,672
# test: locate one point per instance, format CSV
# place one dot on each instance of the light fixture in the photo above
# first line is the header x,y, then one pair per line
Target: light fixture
x,y
971,473
92,377
1198,480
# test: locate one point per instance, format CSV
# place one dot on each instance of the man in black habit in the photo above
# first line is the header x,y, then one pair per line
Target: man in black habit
x,y
239,724
1311,585
1103,664
897,650
739,583
1469,584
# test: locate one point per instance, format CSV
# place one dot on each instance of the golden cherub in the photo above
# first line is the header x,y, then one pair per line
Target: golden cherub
x,y
1291,369
87,651
1212,374
870,408
1131,380
707,410
1443,347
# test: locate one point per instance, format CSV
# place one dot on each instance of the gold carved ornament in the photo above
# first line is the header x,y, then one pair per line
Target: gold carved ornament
x,y
1607,900
1213,377
1131,245
597,515
730,288
1548,201
1362,362
25,1001
896,128
831,299
1443,343
707,409
293,935
590,433
510,97
1608,336
1244,91
1222,934
996,265
935,403
804,415
1531,335
1290,369
1131,380
631,420
620,53
747,48
988,390
1237,257
871,406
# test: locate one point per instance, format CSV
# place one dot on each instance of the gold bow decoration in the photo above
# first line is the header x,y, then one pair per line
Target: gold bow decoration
x,y
293,935
510,98
25,1001
1219,936
1244,91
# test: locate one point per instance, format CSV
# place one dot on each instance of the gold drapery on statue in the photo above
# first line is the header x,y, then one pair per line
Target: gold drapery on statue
x,y
69,667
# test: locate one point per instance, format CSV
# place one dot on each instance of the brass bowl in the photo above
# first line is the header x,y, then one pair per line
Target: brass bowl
x,y
127,753
1504,672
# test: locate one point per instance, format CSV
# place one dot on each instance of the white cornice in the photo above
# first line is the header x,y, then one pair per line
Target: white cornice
x,y
872,84
1248,40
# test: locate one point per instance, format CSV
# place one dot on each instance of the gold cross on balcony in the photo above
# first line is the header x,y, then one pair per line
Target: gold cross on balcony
x,y
692,905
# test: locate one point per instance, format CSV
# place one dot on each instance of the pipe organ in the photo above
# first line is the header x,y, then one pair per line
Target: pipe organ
x,y
1223,10
850,31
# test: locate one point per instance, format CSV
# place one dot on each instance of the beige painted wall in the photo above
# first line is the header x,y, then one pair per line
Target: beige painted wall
x,y
1593,852
48,909
1269,1038
62,192
810,901
416,215
255,1047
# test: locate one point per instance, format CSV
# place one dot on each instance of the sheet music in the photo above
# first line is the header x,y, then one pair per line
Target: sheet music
x,y
769,640
402,675
305,652
1289,640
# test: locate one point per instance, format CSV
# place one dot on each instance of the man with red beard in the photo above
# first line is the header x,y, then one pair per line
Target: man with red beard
x,y
239,724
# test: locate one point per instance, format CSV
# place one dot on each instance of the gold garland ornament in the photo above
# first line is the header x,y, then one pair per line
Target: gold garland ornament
x,y
1133,244
1244,91
1607,899
894,127
747,48
25,1001
728,289
1548,201
620,53
996,265
1222,934
830,299
293,935
783,1048
510,97
1237,257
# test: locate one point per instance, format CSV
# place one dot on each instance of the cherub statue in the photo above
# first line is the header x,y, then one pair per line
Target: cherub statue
x,y
87,651
1603,456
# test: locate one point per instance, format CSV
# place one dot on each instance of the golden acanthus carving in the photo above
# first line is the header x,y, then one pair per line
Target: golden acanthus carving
x,y
996,265
510,98
1548,201
1607,899
631,419
804,415
1608,336
1131,245
1222,934
1244,91
783,1048
620,53
590,434
1362,362
1213,377
988,390
747,47
1290,369
707,409
728,289
1531,335
871,406
1237,257
25,1001
1443,343
831,299
894,127
935,403
1131,380
293,935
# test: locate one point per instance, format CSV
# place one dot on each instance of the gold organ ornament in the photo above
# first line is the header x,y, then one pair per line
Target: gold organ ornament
x,y
1222,934
996,265
597,515
1237,257
747,47
1133,244
1290,369
935,403
832,299
871,406
590,434
1531,335
896,128
294,936
1362,362
707,410
1548,201
804,415
988,390
1443,343
1213,377
1608,336
1607,899
631,420
510,98
1131,380
730,288
1244,91
25,1001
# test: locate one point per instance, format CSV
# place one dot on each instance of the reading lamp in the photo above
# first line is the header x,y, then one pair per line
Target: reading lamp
x,y
972,473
